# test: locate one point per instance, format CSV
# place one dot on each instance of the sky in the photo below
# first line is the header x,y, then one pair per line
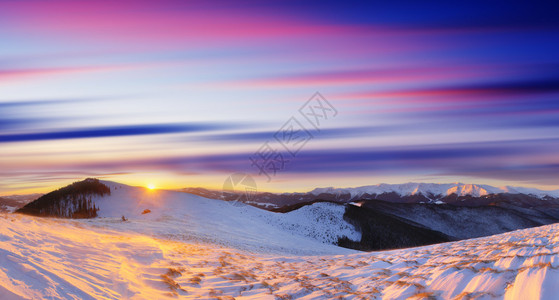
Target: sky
x,y
295,94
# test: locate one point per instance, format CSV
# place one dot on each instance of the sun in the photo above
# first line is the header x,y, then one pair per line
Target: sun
x,y
151,186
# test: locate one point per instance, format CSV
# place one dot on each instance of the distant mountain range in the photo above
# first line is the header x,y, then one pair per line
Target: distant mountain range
x,y
13,202
449,193
435,190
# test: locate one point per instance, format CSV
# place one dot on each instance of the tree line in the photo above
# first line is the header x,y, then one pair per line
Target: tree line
x,y
72,201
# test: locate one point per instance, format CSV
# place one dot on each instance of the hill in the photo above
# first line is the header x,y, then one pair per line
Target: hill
x,y
73,201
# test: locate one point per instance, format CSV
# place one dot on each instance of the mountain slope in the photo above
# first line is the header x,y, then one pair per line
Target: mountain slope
x,y
386,231
460,222
44,258
187,217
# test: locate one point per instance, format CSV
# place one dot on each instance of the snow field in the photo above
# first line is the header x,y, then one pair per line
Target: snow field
x,y
63,259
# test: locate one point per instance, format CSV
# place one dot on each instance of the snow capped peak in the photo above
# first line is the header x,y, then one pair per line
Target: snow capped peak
x,y
473,190
435,189
329,190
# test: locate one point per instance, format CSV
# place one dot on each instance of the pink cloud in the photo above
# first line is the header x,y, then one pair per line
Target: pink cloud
x,y
147,22
379,76
10,75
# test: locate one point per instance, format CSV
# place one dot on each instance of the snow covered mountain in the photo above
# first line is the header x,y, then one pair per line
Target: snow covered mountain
x,y
182,216
435,189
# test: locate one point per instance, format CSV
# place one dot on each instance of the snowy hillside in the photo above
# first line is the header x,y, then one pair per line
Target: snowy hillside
x,y
412,188
77,259
182,216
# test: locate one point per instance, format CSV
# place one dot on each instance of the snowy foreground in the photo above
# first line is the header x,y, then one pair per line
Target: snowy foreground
x,y
69,259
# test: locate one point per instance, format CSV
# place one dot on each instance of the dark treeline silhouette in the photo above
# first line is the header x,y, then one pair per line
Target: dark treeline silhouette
x,y
380,231
288,208
73,201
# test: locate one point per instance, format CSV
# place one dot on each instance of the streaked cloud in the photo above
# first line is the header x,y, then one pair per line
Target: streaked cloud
x,y
109,131
191,89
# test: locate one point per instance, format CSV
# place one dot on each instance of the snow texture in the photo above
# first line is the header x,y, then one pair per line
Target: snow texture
x,y
71,259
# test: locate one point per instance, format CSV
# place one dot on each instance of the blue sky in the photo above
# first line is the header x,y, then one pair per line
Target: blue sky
x,y
177,94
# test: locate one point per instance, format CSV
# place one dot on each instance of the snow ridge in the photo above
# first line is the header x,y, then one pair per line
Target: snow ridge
x,y
435,189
